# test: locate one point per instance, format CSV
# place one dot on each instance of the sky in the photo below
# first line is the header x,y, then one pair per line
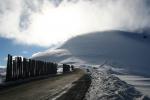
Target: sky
x,y
29,26
7,46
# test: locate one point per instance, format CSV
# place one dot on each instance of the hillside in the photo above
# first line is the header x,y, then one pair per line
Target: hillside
x,y
122,49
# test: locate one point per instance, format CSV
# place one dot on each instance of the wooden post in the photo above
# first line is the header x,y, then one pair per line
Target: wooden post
x,y
72,67
29,71
27,68
66,68
54,68
36,69
24,67
14,69
9,68
31,68
19,64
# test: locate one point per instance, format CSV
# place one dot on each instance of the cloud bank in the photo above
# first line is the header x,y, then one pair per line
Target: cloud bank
x,y
51,22
52,52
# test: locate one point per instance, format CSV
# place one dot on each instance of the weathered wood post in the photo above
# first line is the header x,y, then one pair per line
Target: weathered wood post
x,y
55,68
29,68
19,62
72,67
44,64
16,58
24,67
46,68
9,68
15,69
36,68
39,67
21,68
66,68
43,68
50,68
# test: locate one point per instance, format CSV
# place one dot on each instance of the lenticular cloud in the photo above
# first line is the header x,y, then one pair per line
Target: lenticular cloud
x,y
46,23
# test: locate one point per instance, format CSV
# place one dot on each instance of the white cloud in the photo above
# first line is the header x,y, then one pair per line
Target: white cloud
x,y
2,66
44,22
73,60
5,58
52,52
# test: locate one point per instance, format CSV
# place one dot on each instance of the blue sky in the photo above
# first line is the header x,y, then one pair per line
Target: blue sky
x,y
8,46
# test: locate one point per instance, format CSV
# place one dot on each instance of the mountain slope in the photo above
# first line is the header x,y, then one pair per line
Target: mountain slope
x,y
126,49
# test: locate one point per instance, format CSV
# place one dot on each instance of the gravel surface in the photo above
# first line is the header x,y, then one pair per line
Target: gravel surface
x,y
42,89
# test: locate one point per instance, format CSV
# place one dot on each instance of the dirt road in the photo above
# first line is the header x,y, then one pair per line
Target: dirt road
x,y
46,89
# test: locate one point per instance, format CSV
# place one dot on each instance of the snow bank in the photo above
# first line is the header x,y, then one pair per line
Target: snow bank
x,y
106,86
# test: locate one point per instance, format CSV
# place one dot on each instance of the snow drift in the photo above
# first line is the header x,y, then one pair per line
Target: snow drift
x,y
124,49
105,86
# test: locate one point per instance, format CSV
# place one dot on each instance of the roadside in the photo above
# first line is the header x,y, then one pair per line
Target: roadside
x,y
42,89
105,86
141,83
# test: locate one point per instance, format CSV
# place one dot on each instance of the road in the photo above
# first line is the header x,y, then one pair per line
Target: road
x,y
46,89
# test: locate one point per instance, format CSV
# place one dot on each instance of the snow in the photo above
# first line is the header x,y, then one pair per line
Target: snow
x,y
126,49
60,70
127,54
129,50
73,60
141,83
106,86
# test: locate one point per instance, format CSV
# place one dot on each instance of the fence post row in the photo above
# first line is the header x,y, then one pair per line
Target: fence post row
x,y
66,68
22,68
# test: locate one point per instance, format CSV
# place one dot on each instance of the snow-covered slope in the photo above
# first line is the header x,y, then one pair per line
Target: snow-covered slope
x,y
124,49
140,83
125,52
105,86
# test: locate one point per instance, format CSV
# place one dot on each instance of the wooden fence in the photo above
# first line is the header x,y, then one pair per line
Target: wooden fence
x,y
66,68
22,68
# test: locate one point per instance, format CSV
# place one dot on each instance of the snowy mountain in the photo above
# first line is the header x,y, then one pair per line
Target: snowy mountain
x,y
122,49
56,55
